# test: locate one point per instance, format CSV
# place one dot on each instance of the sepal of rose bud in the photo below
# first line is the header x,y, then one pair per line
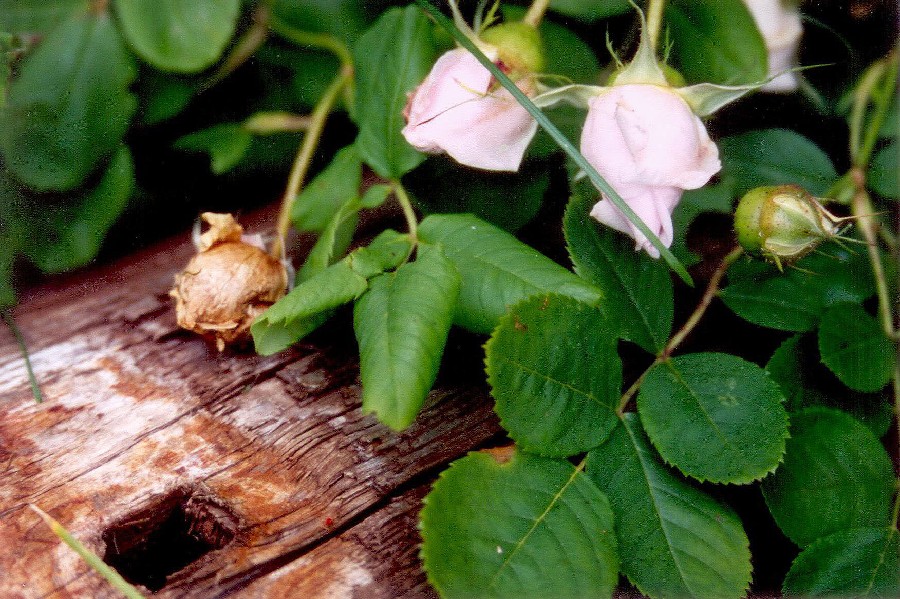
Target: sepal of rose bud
x,y
783,223
228,283
519,47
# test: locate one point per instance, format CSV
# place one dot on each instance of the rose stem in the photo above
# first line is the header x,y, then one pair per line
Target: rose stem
x,y
711,289
536,12
408,212
654,20
317,122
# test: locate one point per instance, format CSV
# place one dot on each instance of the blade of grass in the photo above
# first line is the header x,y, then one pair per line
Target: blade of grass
x,y
11,323
558,137
92,559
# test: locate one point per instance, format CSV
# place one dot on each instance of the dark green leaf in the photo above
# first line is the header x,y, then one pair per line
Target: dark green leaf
x,y
794,300
711,198
675,540
805,382
636,288
401,326
332,242
555,375
835,476
507,200
164,96
716,41
883,172
70,235
332,188
375,196
342,18
774,157
520,526
853,345
861,562
392,58
172,35
225,143
64,117
38,16
497,270
309,304
715,417
590,10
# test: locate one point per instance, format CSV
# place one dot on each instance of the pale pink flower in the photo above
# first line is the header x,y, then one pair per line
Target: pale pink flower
x,y
460,110
648,144
781,29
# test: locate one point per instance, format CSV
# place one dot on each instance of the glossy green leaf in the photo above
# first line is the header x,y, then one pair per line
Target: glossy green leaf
x,y
836,475
226,144
675,540
883,175
555,375
70,235
183,37
796,368
715,417
861,562
794,300
310,303
497,270
332,242
518,526
65,117
507,200
637,289
38,16
401,326
164,96
342,18
375,196
716,41
590,10
853,345
391,59
332,188
774,157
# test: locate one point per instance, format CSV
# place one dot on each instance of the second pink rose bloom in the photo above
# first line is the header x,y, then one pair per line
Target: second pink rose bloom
x,y
649,145
459,109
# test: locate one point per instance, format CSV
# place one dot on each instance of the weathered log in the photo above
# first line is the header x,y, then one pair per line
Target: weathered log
x,y
200,474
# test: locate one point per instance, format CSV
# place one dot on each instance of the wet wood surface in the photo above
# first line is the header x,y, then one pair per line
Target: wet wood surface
x,y
203,474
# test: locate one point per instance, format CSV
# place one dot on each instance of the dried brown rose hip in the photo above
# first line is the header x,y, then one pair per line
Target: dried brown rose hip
x,y
227,284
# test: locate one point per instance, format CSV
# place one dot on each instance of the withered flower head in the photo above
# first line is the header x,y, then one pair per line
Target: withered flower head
x,y
227,284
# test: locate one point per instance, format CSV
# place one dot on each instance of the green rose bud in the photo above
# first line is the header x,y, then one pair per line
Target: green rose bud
x,y
519,46
783,223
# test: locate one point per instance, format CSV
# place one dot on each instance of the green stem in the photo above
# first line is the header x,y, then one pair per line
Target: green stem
x,y
864,213
92,559
246,46
304,157
561,140
324,41
409,213
536,12
20,340
711,290
654,20
877,85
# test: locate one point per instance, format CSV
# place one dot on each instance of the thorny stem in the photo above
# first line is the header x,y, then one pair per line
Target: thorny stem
x,y
20,340
654,20
536,12
305,155
711,290
409,214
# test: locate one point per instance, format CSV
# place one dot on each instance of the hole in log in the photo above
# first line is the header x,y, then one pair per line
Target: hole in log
x,y
149,545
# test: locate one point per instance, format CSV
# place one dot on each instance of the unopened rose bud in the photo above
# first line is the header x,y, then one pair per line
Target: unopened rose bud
x,y
783,223
519,46
227,284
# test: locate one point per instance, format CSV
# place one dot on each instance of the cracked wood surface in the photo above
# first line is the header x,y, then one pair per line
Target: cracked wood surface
x,y
324,499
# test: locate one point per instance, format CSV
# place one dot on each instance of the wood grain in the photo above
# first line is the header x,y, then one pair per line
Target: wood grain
x,y
312,497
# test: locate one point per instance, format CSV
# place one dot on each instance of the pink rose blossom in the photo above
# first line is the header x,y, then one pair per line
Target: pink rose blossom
x,y
457,110
781,30
648,144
